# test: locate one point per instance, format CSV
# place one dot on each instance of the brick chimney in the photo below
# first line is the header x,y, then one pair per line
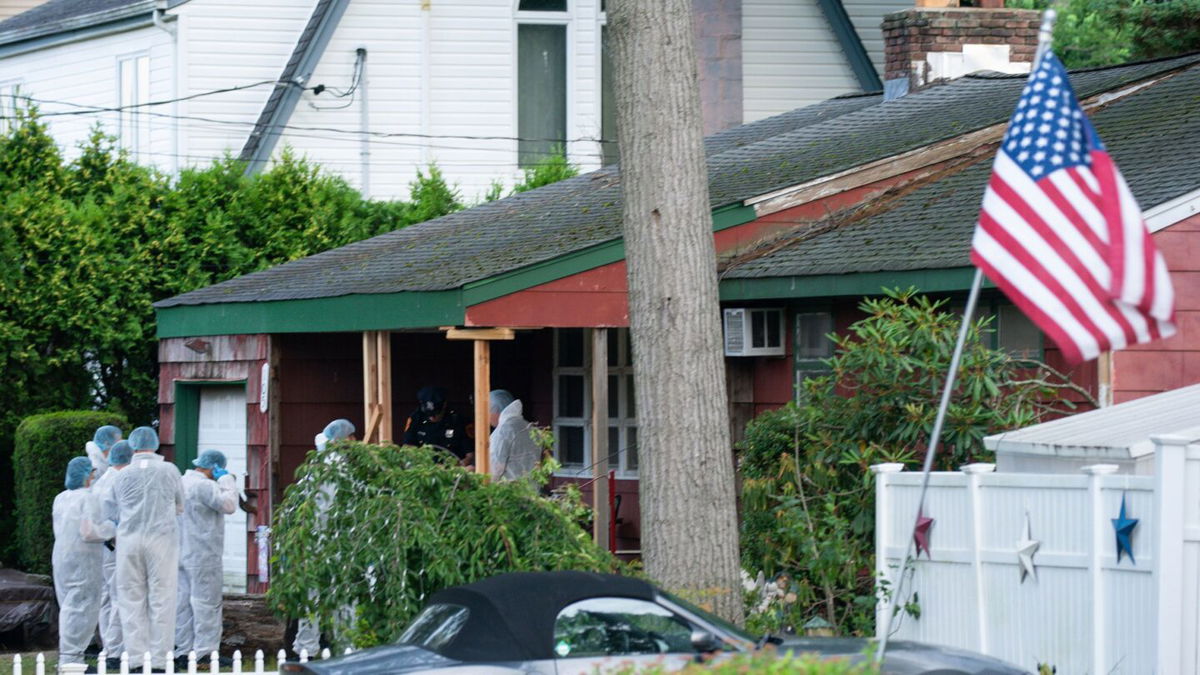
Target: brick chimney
x,y
938,40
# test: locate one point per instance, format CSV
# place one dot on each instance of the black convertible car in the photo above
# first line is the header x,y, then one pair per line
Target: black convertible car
x,y
559,623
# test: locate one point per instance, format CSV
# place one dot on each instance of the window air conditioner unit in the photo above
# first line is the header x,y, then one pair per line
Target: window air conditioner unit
x,y
753,331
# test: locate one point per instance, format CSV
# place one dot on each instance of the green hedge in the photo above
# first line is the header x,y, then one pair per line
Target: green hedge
x,y
43,446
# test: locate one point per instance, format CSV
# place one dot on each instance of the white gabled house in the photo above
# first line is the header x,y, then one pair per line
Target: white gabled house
x,y
374,89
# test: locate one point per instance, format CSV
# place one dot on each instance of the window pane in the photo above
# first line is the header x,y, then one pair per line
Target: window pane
x,y
614,397
614,347
812,330
773,332
757,329
631,449
570,396
542,91
619,627
608,104
1018,336
614,448
570,446
435,626
543,6
630,401
570,347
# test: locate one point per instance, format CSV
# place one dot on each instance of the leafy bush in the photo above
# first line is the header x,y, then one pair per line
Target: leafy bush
x,y
765,662
380,528
1109,32
44,445
808,494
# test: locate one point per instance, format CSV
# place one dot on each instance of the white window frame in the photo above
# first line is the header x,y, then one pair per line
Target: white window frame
x,y
567,20
8,105
601,23
133,128
622,423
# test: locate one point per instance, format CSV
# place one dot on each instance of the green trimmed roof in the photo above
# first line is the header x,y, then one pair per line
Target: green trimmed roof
x,y
427,274
1153,135
582,213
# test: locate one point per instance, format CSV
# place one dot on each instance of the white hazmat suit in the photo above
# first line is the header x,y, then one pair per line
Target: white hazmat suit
x,y
149,496
513,453
98,529
77,577
201,542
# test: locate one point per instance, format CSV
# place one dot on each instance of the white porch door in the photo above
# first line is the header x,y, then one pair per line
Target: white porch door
x,y
223,427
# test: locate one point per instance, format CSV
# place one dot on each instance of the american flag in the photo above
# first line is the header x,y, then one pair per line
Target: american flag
x,y
1062,236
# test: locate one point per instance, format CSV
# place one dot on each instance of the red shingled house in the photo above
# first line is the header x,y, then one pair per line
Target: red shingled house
x,y
811,211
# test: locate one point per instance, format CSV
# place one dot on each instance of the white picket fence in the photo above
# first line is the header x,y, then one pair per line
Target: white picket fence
x,y
1084,611
193,667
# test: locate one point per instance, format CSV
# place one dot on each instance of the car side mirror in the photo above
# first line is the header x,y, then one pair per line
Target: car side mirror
x,y
705,642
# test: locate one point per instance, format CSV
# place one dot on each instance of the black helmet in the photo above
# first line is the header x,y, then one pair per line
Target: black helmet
x,y
431,399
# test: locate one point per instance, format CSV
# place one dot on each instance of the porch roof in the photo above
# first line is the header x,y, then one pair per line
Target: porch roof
x,y
444,265
1121,431
1153,134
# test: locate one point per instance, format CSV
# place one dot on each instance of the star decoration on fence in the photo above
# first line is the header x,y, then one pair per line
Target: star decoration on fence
x,y
1026,548
1124,527
921,533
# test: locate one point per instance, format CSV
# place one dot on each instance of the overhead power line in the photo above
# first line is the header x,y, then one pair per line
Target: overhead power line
x,y
88,109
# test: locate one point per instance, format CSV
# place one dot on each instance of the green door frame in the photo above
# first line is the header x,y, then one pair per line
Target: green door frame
x,y
187,417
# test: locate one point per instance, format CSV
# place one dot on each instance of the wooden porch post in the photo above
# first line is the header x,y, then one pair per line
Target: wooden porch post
x,y
600,497
483,384
377,386
483,387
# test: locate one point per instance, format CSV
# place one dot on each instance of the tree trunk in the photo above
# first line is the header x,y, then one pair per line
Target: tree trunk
x,y
689,523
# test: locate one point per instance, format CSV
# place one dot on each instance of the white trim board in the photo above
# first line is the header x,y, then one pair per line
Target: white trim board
x,y
1168,213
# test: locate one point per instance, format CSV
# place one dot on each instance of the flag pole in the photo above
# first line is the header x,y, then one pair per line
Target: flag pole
x,y
1045,33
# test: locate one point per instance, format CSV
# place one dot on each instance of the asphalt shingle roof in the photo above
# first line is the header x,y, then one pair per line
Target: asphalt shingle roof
x,y
54,15
584,211
1152,134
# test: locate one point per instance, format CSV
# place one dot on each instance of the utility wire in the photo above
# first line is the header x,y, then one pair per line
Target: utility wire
x,y
86,109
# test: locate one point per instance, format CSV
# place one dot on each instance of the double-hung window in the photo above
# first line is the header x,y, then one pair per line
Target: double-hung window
x,y
133,77
541,79
573,403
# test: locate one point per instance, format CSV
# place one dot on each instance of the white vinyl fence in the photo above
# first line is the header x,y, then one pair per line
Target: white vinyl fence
x,y
128,667
1082,611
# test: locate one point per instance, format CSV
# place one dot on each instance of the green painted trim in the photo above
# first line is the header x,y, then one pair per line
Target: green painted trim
x,y
389,311
347,313
575,262
860,284
187,418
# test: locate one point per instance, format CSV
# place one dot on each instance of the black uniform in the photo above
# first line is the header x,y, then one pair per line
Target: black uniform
x,y
448,432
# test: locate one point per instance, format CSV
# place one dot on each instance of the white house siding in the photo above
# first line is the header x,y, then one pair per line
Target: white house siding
x,y
228,43
867,15
436,76
790,58
85,74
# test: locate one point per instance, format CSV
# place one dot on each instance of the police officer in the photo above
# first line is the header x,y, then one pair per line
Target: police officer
x,y
433,423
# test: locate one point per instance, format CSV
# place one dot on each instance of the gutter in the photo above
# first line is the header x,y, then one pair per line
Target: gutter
x,y
68,28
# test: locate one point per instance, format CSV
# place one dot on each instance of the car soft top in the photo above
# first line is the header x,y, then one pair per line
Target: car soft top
x,y
511,616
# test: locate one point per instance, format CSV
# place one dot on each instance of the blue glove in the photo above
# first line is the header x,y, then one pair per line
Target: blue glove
x,y
217,472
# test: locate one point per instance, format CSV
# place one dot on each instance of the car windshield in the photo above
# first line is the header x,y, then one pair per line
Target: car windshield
x,y
710,617
435,626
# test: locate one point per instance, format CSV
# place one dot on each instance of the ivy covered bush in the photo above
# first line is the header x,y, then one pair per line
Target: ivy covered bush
x,y
808,493
44,445
90,243
368,532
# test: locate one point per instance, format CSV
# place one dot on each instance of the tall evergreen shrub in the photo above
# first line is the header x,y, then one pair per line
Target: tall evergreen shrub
x,y
44,445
